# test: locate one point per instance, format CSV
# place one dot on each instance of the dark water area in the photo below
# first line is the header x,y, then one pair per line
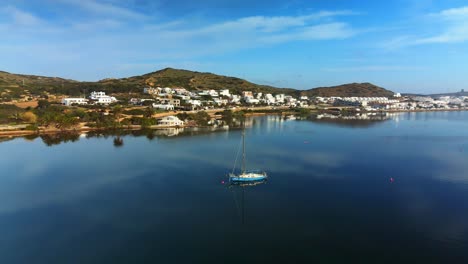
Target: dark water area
x,y
393,190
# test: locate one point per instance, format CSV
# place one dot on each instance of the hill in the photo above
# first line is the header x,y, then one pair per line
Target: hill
x,y
193,81
349,90
14,85
461,93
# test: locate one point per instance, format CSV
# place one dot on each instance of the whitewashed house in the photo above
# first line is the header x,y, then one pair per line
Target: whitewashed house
x,y
72,101
251,100
195,102
150,90
225,92
167,107
170,121
269,99
279,98
102,98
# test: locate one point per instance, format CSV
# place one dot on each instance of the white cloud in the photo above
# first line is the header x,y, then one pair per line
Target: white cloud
x,y
454,13
115,39
375,68
255,31
454,23
20,17
101,24
275,23
105,9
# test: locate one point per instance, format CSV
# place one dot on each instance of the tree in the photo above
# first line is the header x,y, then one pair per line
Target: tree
x,y
43,104
202,118
117,110
149,112
29,117
227,117
183,116
64,122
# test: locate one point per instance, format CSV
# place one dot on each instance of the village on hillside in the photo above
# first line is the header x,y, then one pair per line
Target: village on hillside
x,y
155,107
170,99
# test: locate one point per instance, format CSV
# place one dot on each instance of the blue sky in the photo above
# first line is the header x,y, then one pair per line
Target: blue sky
x,y
403,45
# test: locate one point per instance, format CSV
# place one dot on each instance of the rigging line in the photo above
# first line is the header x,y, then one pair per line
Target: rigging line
x,y
237,156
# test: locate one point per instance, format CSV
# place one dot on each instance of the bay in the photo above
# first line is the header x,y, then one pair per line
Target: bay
x,y
389,190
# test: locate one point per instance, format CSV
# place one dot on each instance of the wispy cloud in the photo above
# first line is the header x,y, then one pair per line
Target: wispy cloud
x,y
19,17
93,29
454,23
105,9
375,68
456,30
255,31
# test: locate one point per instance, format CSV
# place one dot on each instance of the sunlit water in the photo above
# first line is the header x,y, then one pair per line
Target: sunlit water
x,y
390,191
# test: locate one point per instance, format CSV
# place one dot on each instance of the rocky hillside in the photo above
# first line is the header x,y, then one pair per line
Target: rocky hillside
x,y
13,85
352,89
193,81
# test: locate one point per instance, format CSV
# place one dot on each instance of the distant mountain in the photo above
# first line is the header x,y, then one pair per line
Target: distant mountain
x,y
461,93
13,84
349,90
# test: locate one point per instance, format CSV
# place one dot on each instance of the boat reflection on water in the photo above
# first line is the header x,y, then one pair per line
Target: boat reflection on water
x,y
238,189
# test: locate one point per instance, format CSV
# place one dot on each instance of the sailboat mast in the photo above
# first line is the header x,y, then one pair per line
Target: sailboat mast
x,y
243,148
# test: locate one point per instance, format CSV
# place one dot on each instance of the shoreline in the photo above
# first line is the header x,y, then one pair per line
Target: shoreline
x,y
19,133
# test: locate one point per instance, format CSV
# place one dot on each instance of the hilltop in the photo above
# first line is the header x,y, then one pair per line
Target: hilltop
x,y
350,90
13,85
193,80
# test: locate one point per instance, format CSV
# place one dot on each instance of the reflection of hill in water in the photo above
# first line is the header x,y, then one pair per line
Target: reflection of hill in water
x,y
350,121
119,135
5,139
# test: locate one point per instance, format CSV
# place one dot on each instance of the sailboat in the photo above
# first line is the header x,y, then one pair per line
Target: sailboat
x,y
246,176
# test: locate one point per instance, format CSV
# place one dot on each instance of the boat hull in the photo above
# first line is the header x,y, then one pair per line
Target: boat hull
x,y
248,177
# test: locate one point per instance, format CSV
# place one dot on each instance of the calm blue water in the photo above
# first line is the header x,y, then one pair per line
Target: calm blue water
x,y
160,199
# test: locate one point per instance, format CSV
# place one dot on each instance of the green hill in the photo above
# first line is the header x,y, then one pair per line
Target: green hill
x,y
193,81
350,90
13,85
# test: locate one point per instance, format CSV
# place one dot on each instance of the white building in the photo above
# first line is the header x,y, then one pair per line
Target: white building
x,y
251,100
213,93
167,107
279,98
195,102
102,98
235,99
183,97
270,99
219,101
170,121
150,90
181,91
138,101
246,94
167,90
225,92
171,101
72,101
